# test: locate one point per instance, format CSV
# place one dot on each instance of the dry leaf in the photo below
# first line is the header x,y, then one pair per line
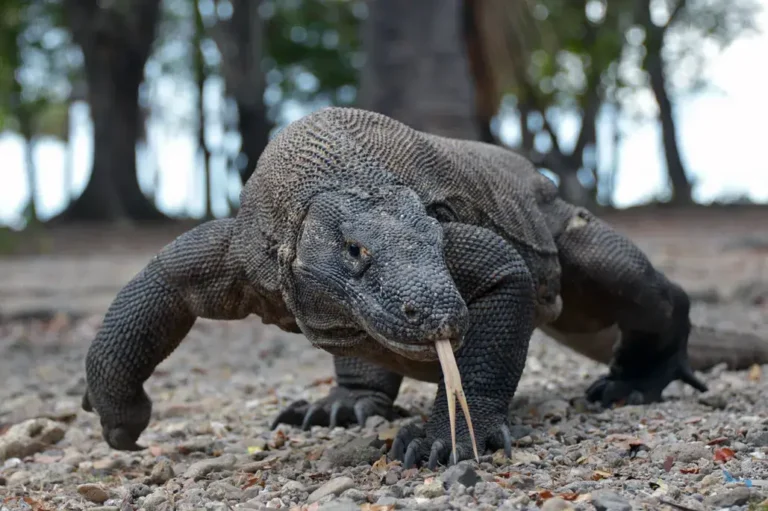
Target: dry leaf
x,y
377,507
724,454
321,381
545,494
694,420
717,441
690,470
755,373
278,439
600,474
668,462
380,466
569,496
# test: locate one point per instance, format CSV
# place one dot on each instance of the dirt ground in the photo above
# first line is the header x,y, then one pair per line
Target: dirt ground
x,y
209,442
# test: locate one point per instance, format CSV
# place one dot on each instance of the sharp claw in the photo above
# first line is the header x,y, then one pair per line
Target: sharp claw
x,y
335,409
307,422
687,376
397,451
434,454
86,403
361,413
506,438
411,455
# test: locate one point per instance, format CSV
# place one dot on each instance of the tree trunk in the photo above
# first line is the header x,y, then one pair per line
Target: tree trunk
x,y
200,77
115,45
417,70
654,66
681,186
241,43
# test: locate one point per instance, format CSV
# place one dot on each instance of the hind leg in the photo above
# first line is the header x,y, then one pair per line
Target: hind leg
x,y
607,279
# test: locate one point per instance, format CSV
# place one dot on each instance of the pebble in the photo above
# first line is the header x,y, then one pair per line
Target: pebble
x,y
93,492
687,452
556,504
430,490
332,487
729,498
203,468
30,437
605,500
462,473
161,472
156,499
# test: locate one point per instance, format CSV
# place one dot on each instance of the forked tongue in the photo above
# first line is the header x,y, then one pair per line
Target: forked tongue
x,y
454,391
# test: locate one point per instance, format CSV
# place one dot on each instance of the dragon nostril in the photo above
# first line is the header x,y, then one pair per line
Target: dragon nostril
x,y
410,311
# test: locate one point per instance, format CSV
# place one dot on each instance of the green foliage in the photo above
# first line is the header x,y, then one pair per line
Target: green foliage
x,y
314,50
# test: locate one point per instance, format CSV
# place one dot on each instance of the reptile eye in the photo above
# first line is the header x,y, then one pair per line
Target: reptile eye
x,y
354,250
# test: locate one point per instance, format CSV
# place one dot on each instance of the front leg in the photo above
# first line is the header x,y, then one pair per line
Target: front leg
x,y
498,289
196,275
363,390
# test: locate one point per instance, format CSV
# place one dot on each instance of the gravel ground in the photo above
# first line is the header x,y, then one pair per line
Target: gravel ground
x,y
210,447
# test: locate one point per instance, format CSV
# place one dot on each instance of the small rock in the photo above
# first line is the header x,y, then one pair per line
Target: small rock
x,y
30,437
104,508
556,504
275,503
19,477
293,487
332,487
604,500
386,500
161,472
757,437
339,505
430,490
553,409
735,497
391,478
202,468
152,502
355,495
139,490
716,401
519,456
93,492
463,473
358,451
683,452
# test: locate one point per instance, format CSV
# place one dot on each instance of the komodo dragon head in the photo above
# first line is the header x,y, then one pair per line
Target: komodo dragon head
x,y
369,265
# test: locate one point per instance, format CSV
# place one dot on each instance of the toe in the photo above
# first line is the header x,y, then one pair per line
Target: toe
x,y
316,416
293,415
501,439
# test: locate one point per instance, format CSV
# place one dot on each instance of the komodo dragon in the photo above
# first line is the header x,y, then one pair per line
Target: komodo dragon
x,y
376,241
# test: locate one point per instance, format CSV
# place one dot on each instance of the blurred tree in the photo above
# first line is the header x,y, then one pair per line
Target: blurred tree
x,y
416,67
239,36
116,39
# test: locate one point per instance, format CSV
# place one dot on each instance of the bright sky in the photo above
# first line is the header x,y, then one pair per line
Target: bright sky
x,y
722,137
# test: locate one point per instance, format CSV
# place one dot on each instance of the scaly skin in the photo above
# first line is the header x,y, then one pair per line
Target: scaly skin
x,y
375,241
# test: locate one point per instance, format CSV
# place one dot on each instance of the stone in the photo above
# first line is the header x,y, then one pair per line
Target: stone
x,y
333,487
361,450
430,490
155,500
202,468
339,505
682,452
293,487
757,437
609,501
728,498
30,437
463,473
556,504
554,409
162,472
93,492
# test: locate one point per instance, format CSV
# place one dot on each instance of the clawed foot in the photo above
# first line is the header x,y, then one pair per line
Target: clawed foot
x,y
122,425
413,445
342,407
620,386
